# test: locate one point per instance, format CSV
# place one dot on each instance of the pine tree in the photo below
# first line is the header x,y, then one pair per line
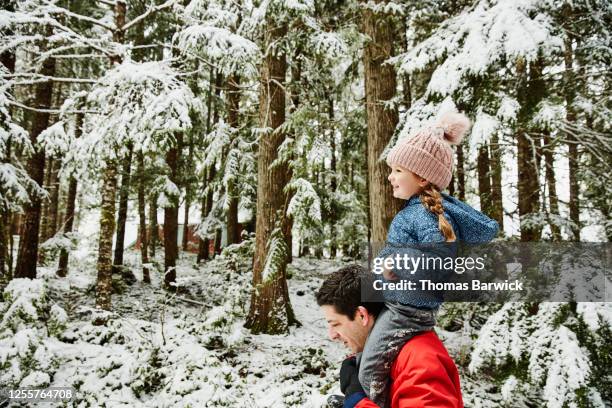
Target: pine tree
x,y
171,210
142,224
62,268
382,117
124,191
17,187
28,242
270,310
109,191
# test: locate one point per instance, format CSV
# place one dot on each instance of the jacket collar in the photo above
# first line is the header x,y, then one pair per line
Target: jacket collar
x,y
413,200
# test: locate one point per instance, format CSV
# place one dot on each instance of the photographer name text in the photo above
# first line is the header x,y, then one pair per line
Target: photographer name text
x,y
427,285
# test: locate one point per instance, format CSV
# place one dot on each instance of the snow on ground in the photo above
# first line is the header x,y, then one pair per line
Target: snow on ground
x,y
190,349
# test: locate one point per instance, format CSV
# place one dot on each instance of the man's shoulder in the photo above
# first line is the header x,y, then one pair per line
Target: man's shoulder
x,y
424,375
422,350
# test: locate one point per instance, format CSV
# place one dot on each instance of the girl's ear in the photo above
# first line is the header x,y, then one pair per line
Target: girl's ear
x,y
422,182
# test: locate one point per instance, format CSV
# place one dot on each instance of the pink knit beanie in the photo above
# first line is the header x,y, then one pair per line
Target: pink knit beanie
x,y
428,153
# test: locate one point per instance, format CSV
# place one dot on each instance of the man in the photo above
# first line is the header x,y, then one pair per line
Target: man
x,y
423,374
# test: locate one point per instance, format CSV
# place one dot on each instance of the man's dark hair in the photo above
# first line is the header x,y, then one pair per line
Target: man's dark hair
x,y
342,289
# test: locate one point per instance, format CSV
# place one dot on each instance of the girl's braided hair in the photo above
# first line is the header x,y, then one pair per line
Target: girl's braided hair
x,y
432,200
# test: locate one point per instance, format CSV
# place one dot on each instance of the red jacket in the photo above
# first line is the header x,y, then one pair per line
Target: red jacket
x,y
423,375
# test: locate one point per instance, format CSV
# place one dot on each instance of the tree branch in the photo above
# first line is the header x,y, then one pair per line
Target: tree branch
x,y
68,56
108,3
191,54
61,10
147,13
53,110
38,78
83,40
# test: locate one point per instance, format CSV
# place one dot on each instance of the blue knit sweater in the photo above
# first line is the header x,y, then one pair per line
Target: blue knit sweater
x,y
415,225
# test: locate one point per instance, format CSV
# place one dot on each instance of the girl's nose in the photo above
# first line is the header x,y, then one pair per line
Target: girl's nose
x,y
389,177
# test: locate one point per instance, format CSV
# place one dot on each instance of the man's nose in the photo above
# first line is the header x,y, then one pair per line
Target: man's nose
x,y
332,334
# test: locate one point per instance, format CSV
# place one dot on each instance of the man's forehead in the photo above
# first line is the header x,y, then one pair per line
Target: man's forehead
x,y
330,312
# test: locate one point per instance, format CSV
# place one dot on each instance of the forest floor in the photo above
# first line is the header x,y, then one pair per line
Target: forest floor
x,y
190,349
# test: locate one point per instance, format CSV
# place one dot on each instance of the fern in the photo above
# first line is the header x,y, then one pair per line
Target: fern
x,y
276,257
540,349
305,205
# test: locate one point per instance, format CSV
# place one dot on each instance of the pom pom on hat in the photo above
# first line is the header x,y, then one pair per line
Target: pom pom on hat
x,y
455,126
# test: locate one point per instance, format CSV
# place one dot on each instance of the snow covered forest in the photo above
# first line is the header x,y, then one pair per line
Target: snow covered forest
x,y
177,177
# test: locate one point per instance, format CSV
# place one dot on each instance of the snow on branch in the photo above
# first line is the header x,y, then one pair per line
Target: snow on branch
x,y
54,140
141,103
54,9
474,40
232,52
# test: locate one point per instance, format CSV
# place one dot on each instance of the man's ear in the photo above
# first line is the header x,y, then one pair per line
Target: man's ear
x,y
362,315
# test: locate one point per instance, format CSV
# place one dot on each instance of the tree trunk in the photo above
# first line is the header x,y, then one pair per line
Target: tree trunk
x,y
233,104
54,184
107,228
528,186
124,193
531,90
333,182
204,243
484,179
460,173
379,90
553,200
406,85
53,199
185,243
296,88
15,228
7,58
5,230
218,243
28,243
153,226
216,115
451,186
173,158
270,310
44,209
109,193
572,143
497,206
142,225
206,203
187,183
62,268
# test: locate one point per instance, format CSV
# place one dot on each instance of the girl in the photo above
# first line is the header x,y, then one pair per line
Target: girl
x,y
421,166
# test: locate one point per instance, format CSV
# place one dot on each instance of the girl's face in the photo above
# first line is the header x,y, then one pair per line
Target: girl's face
x,y
405,183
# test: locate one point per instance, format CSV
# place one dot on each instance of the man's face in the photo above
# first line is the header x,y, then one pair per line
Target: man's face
x,y
352,333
